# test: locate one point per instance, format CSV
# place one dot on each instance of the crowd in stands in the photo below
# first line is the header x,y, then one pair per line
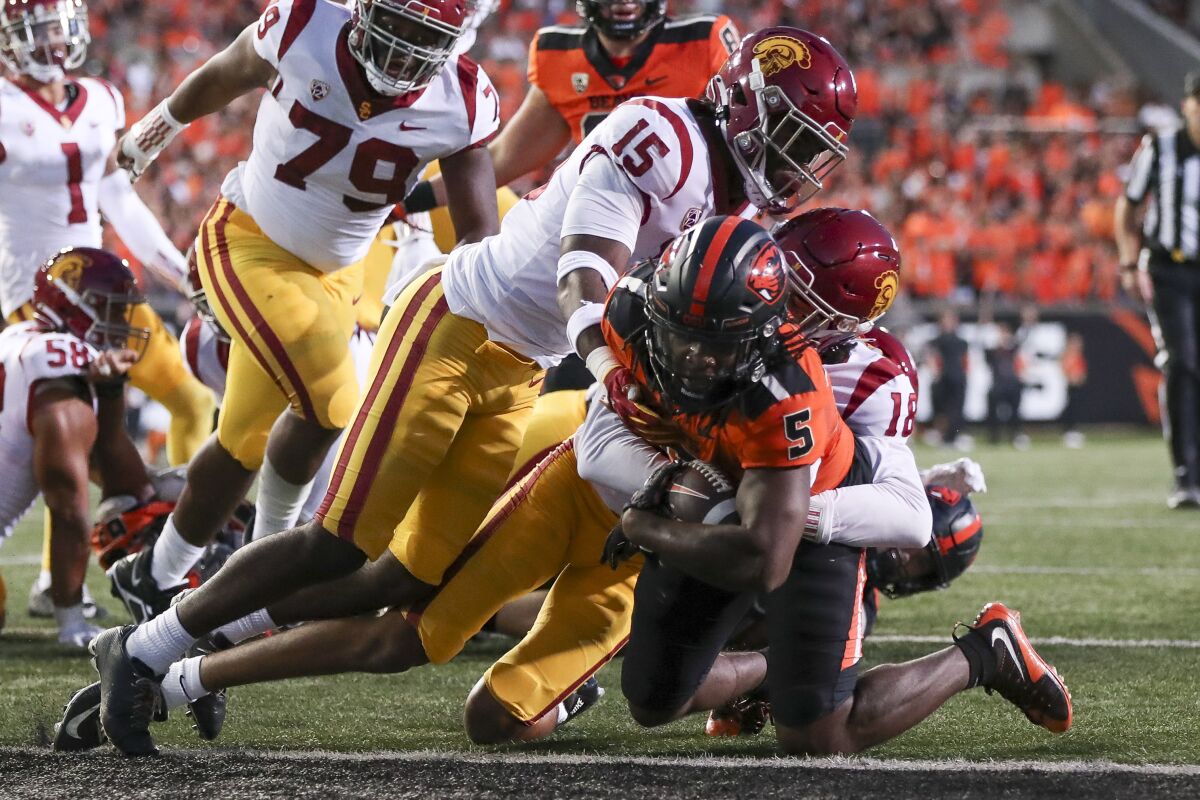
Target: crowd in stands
x,y
992,182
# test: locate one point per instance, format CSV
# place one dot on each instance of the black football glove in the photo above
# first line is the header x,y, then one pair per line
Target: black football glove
x,y
618,549
652,496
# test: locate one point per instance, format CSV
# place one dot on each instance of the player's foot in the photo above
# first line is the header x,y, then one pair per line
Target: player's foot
x,y
1021,676
79,635
744,716
130,694
1184,497
133,584
583,698
79,729
208,713
42,607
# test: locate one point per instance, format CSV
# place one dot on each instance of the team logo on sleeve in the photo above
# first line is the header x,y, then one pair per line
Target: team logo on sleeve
x,y
319,89
690,218
888,283
579,80
766,276
780,52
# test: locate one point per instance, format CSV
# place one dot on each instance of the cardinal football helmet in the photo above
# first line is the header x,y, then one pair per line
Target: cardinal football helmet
x,y
402,45
785,102
714,305
844,270
652,13
957,537
90,294
43,39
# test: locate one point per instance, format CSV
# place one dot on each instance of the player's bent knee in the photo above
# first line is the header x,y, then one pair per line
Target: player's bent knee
x,y
649,717
487,721
394,645
828,734
316,545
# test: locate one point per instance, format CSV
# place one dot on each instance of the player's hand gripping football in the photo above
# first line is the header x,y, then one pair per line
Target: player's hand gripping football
x,y
650,499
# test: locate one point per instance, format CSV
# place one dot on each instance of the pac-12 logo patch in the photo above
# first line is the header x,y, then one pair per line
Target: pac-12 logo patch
x,y
318,89
766,277
690,218
579,80
777,53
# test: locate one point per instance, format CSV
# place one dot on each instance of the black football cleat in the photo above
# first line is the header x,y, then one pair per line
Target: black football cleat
x,y
1022,677
133,584
583,698
744,716
79,729
208,712
130,694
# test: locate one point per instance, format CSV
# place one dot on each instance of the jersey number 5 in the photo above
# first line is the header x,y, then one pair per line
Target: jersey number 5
x,y
332,138
796,429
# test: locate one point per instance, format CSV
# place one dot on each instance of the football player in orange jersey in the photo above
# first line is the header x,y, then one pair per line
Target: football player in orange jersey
x,y
578,74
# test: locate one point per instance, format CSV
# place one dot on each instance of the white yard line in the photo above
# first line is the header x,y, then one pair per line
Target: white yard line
x,y
1162,572
1054,641
20,561
849,764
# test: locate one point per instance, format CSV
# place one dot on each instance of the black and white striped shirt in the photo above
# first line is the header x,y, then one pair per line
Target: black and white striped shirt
x,y
1167,166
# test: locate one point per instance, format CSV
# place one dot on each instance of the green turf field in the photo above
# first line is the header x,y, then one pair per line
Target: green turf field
x,y
1079,541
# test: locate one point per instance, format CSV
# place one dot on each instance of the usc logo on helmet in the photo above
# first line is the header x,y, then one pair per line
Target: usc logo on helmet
x,y
887,284
68,269
780,52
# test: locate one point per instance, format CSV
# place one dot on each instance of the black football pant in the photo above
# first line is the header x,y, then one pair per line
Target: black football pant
x,y
1174,318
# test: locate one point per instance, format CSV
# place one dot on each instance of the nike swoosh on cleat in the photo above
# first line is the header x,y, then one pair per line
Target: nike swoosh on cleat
x,y
74,722
1001,635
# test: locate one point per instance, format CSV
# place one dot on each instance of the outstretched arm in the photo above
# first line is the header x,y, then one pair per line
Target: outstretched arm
x,y
226,76
138,228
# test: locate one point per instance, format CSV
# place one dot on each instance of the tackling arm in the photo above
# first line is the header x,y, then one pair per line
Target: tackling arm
x,y
755,555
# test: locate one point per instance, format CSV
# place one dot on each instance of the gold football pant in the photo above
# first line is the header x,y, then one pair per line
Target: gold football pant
x,y
434,438
289,326
162,375
551,523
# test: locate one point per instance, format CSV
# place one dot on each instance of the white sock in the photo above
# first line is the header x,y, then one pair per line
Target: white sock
x,y
278,503
561,713
181,685
160,642
43,581
248,626
173,556
69,617
319,485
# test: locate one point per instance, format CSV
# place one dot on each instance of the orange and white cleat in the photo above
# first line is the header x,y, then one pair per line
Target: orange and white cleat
x,y
1022,677
745,716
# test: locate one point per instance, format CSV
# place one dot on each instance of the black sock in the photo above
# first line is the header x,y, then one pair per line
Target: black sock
x,y
980,659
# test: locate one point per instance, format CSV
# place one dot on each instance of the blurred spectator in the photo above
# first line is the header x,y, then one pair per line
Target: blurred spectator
x,y
1074,368
949,353
1004,397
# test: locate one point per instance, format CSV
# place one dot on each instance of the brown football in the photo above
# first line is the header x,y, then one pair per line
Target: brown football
x,y
702,493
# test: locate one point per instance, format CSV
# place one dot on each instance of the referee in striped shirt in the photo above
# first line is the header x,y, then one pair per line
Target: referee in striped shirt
x,y
1161,260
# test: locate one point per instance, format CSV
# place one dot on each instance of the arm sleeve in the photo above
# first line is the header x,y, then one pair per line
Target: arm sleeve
x,y
612,458
605,203
531,72
888,410
482,101
1141,170
892,511
139,229
723,41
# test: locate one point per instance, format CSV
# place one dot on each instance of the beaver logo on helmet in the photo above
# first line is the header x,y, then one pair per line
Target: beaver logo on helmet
x,y
888,284
780,52
766,278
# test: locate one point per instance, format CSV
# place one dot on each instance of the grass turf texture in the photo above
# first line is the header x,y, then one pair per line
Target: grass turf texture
x,y
1099,509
